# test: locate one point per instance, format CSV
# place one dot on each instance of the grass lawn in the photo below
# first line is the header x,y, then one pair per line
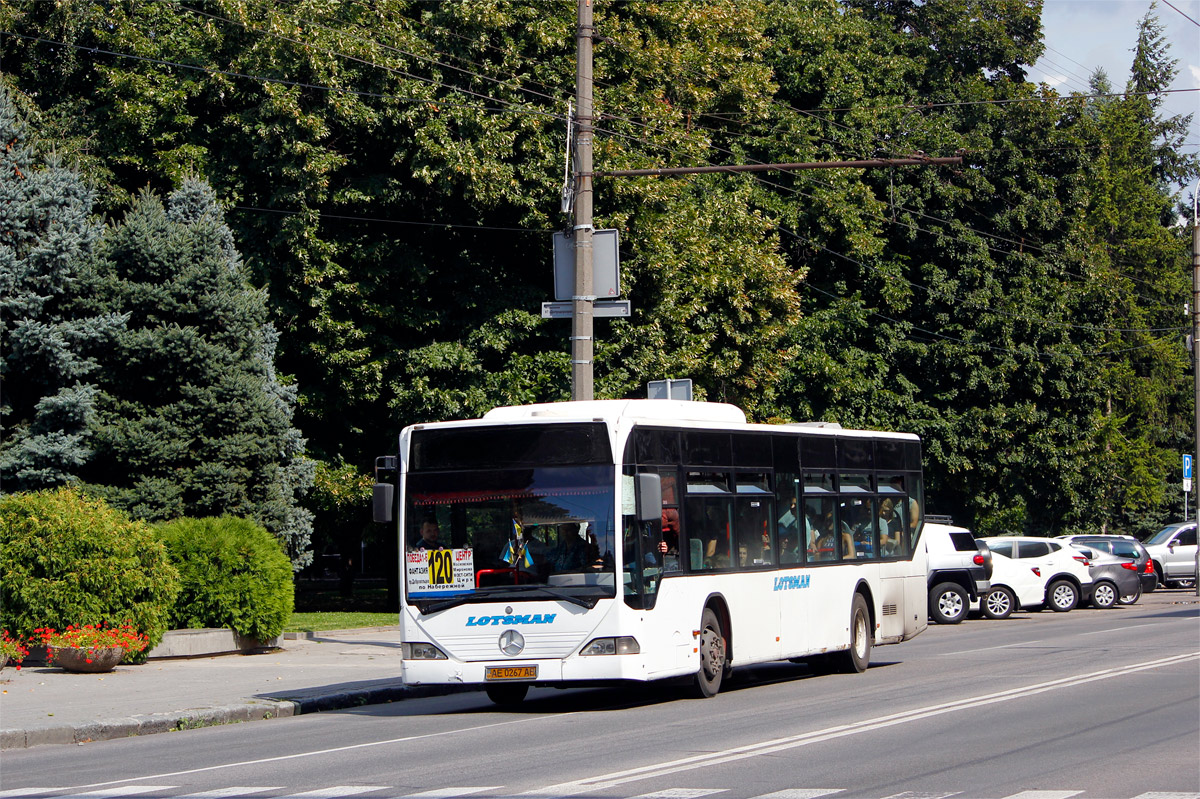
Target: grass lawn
x,y
338,620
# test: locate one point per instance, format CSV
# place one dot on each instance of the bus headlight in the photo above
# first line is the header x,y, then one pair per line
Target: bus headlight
x,y
625,645
421,652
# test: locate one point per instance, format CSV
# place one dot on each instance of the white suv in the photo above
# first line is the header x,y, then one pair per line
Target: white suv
x,y
1030,572
958,570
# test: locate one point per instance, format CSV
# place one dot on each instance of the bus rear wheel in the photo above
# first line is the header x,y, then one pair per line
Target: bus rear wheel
x,y
856,659
508,694
712,655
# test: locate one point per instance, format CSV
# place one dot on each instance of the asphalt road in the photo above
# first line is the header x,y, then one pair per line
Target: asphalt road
x,y
1091,704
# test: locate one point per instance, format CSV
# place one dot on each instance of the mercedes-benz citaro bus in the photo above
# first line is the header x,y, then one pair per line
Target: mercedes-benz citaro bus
x,y
609,540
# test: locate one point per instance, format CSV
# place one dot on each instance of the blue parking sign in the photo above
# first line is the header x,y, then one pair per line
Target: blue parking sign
x,y
1187,467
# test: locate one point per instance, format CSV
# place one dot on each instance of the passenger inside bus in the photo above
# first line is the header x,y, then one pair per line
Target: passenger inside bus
x,y
670,535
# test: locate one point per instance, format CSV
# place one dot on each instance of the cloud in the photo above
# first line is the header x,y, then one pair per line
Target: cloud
x,y
1195,70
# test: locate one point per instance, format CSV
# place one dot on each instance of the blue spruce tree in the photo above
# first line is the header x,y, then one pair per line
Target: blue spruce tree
x,y
192,417
50,329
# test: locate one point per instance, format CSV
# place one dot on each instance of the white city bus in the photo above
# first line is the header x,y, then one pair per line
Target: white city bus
x,y
612,540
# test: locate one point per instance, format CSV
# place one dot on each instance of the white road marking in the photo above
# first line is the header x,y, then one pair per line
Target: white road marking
x,y
613,779
681,793
336,792
130,789
320,752
1044,795
989,648
450,793
801,793
1167,795
234,790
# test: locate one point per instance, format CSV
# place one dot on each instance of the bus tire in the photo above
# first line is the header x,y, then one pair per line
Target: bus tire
x,y
856,659
508,694
712,655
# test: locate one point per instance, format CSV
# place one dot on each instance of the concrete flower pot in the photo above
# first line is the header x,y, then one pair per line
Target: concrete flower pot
x,y
88,661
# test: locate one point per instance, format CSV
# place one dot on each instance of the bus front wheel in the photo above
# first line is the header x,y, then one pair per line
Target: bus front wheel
x,y
712,655
508,694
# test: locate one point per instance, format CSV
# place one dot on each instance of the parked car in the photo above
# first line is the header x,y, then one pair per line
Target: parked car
x,y
958,570
1031,572
1126,547
1173,550
1114,580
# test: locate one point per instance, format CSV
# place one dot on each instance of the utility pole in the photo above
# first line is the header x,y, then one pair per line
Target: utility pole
x,y
1196,354
582,343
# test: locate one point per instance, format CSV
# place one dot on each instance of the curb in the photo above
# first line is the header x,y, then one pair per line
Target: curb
x,y
248,710
308,635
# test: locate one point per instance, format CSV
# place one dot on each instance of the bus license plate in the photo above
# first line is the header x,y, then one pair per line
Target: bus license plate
x,y
510,673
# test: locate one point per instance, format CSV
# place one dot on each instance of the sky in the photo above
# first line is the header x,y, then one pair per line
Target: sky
x,y
1081,35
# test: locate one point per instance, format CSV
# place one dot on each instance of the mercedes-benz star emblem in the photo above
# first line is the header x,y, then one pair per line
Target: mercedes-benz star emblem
x,y
511,642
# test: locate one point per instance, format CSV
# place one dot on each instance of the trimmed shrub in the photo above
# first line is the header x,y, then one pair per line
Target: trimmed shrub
x,y
234,574
69,559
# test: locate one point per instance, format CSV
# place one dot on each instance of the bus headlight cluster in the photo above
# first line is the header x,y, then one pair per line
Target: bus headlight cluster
x,y
421,652
625,645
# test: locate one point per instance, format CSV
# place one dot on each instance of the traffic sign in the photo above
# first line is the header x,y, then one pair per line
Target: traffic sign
x,y
1187,467
601,308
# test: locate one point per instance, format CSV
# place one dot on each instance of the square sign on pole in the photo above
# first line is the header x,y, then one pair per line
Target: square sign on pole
x,y
1187,473
606,267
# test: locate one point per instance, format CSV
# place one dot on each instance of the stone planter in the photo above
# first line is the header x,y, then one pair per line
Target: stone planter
x,y
89,661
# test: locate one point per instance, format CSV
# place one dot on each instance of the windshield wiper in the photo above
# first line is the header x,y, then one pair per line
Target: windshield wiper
x,y
494,592
554,592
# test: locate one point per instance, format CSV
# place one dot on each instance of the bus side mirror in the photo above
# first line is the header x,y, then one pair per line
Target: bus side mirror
x,y
383,499
647,494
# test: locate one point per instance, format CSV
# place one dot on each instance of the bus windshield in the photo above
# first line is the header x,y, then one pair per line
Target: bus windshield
x,y
498,534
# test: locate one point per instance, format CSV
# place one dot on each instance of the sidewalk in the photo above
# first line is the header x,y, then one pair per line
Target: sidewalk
x,y
333,670
339,669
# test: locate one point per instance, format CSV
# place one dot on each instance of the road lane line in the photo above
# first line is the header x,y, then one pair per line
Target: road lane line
x,y
451,793
990,648
233,790
616,778
336,792
801,793
1044,795
319,752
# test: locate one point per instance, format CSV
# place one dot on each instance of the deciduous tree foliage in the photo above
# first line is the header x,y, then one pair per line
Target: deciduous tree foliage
x,y
392,172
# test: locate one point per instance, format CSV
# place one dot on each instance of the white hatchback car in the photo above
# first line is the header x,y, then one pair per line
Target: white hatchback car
x,y
1029,572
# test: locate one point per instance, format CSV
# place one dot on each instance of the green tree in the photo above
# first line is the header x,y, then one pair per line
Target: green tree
x,y
191,418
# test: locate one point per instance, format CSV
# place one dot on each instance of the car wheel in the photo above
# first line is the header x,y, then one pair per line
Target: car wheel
x,y
1158,572
1186,582
712,655
948,603
1062,596
508,694
856,659
1104,595
1131,599
999,603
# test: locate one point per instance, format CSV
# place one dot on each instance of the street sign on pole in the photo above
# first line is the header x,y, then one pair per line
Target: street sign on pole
x,y
602,308
1187,467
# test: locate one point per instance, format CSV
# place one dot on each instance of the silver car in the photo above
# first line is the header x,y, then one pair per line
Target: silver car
x,y
1173,549
1114,579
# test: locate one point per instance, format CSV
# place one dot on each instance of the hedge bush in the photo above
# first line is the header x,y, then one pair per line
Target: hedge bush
x,y
69,559
233,573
